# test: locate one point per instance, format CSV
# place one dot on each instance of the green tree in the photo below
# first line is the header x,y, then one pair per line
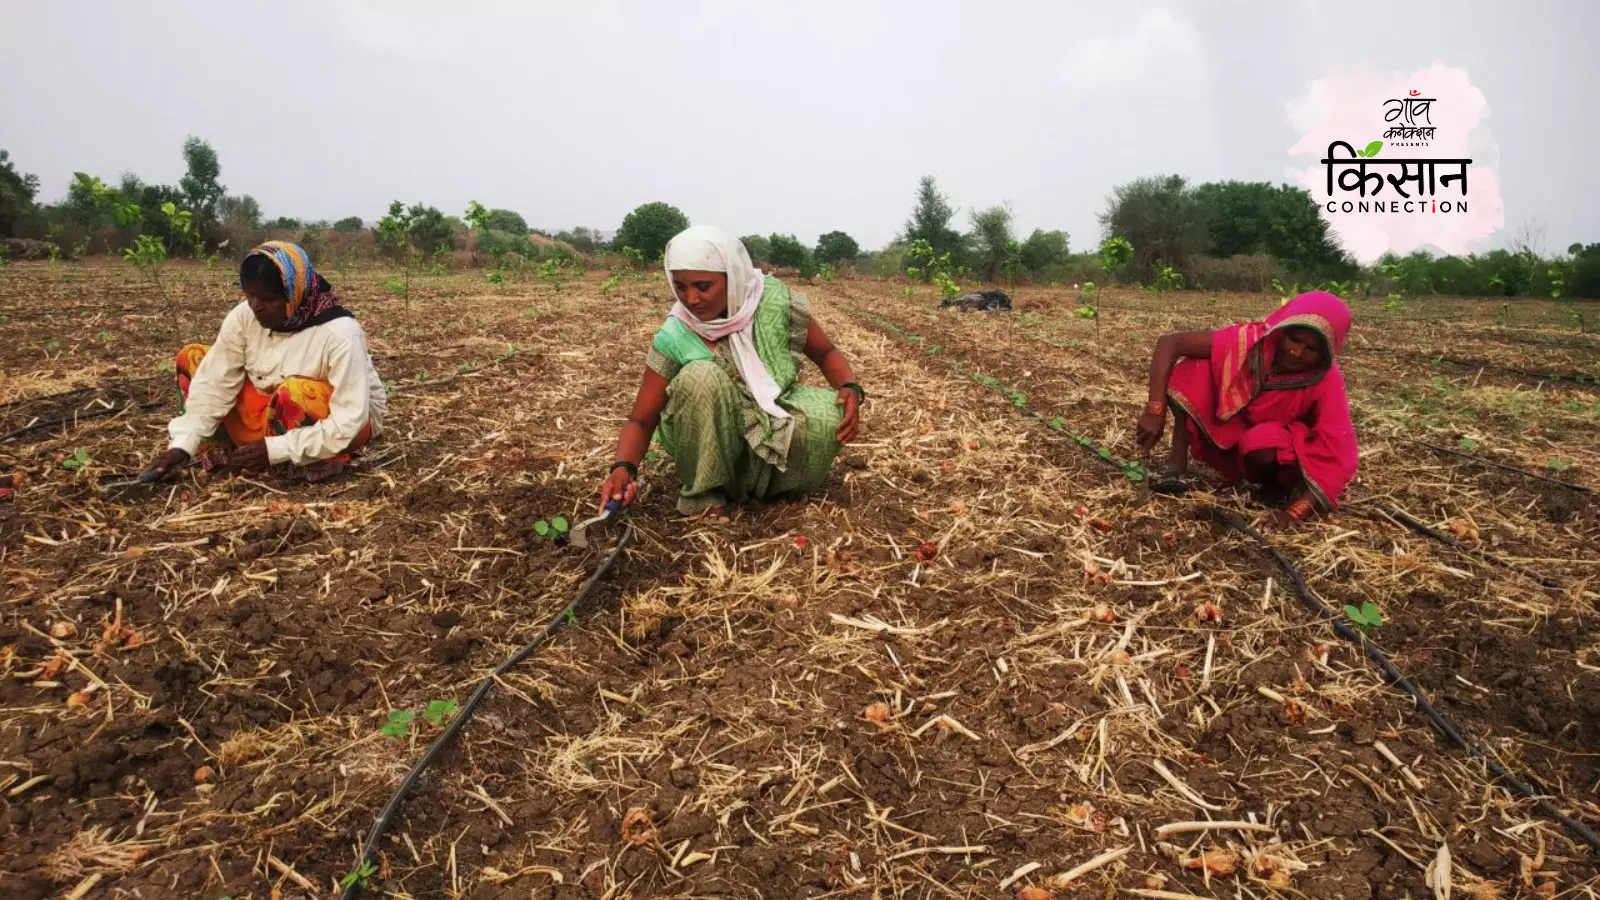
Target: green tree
x,y
1585,278
788,252
17,191
429,229
930,220
759,248
1162,217
1247,218
992,242
582,238
648,229
286,223
506,220
201,189
349,223
1042,250
837,247
241,213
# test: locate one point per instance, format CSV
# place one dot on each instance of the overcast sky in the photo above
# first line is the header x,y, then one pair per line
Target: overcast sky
x,y
759,117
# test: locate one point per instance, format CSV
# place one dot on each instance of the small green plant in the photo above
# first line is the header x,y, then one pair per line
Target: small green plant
x,y
1115,254
555,529
610,284
948,289
440,712
1018,398
77,460
1555,465
634,256
826,272
1366,617
1468,444
1168,279
149,255
1396,303
909,290
398,723
1088,308
5,257
361,876
394,239
496,277
551,271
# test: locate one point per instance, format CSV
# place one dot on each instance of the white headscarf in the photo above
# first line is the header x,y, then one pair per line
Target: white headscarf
x,y
706,249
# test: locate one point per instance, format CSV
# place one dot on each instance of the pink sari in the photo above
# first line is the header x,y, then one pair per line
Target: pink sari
x,y
1236,406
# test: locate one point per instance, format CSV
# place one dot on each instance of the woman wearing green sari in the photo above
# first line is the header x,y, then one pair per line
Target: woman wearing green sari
x,y
721,391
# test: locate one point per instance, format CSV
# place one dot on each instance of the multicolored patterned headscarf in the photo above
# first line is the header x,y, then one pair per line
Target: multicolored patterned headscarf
x,y
311,297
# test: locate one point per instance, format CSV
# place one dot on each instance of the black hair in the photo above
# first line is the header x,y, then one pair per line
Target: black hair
x,y
260,271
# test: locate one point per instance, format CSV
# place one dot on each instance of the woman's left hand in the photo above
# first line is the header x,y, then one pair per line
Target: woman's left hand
x,y
851,401
1280,520
252,457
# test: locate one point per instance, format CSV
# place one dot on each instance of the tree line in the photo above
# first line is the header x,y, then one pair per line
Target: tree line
x,y
1230,235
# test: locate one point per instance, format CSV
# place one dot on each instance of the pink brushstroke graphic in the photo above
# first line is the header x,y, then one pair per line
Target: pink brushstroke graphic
x,y
1348,105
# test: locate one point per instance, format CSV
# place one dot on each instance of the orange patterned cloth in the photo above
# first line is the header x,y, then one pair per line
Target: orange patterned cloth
x,y
295,403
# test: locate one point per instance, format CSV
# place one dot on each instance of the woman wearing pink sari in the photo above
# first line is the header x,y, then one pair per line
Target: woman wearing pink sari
x,y
1262,402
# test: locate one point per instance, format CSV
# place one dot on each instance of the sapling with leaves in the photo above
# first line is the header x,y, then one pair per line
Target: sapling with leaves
x,y
394,240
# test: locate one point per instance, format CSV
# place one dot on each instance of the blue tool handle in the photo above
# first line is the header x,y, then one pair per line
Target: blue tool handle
x,y
612,506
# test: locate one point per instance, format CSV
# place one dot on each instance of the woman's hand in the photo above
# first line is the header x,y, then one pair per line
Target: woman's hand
x,y
1281,520
1149,430
851,401
252,457
619,485
169,462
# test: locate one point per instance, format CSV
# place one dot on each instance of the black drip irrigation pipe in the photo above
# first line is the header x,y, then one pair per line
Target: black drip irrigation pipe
x,y
457,722
1314,603
1574,377
1583,488
75,419
1484,555
1392,672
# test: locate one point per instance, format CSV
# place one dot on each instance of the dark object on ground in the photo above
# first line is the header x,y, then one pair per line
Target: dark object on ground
x,y
985,301
24,248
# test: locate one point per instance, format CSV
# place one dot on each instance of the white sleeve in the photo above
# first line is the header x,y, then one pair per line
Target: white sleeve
x,y
213,389
348,408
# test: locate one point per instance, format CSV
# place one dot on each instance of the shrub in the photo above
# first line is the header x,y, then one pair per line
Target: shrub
x,y
649,227
837,247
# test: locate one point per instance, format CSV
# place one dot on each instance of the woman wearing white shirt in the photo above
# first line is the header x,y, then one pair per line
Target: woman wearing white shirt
x,y
288,381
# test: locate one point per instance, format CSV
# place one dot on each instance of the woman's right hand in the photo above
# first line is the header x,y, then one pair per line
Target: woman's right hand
x,y
167,463
619,485
1149,430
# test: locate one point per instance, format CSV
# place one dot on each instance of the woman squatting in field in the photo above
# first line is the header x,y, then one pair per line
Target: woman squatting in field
x,y
721,391
288,380
1263,402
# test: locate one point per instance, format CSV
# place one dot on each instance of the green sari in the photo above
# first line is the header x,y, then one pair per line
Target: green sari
x,y
726,448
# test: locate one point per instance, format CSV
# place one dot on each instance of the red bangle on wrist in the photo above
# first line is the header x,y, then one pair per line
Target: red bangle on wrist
x,y
1301,509
1155,408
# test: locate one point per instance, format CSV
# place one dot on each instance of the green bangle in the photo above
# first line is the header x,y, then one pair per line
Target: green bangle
x,y
861,392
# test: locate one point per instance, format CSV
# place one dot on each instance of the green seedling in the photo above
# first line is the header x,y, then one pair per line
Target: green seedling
x,y
1555,465
555,529
398,724
440,711
610,284
361,876
1366,617
1468,444
496,277
77,460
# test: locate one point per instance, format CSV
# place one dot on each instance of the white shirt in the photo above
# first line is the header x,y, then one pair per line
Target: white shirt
x,y
335,352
